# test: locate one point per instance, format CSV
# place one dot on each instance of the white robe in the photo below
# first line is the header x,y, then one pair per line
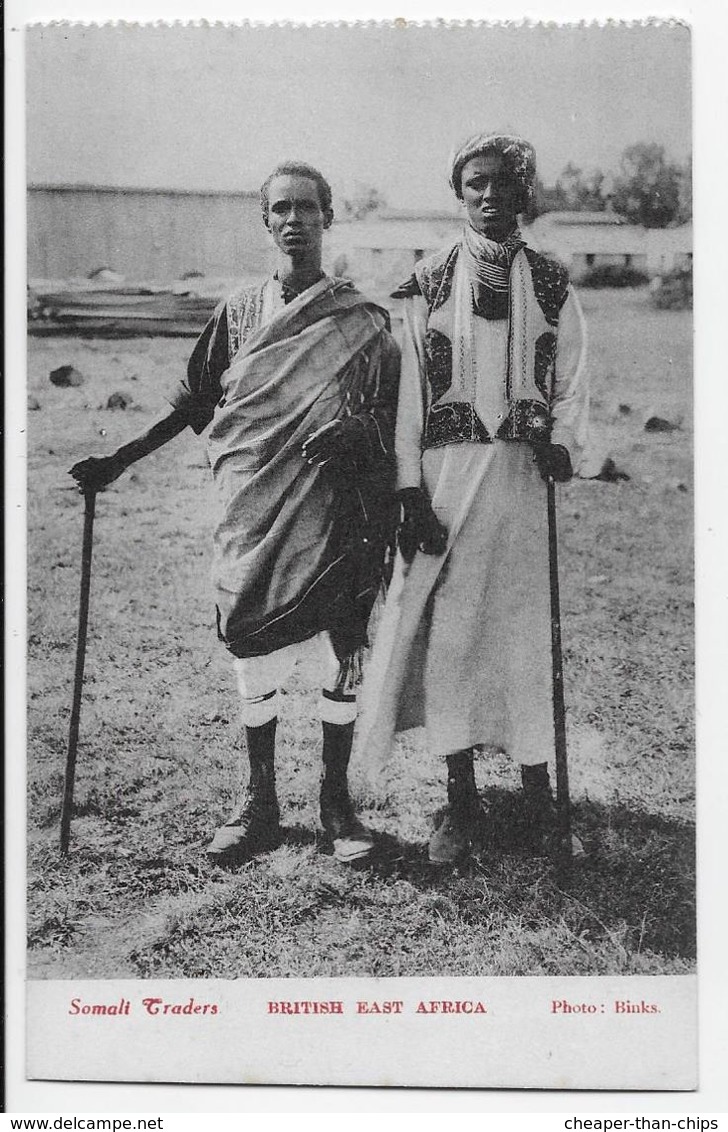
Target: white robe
x,y
464,642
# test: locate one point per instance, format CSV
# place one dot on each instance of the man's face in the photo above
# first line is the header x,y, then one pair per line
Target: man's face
x,y
296,219
490,196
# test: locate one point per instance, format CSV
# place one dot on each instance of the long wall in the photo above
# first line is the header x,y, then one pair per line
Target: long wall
x,y
144,234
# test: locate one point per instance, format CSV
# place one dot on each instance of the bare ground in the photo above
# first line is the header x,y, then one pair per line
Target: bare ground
x,y
159,752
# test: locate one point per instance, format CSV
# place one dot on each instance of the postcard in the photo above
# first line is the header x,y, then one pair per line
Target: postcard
x,y
360,555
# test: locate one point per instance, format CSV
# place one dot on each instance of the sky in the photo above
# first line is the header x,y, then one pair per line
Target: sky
x,y
215,107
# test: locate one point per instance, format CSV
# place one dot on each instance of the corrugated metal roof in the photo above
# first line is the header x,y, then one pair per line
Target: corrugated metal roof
x,y
136,190
549,233
395,235
582,218
389,214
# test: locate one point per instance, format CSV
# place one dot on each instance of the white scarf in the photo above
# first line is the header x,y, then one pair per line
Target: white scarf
x,y
503,268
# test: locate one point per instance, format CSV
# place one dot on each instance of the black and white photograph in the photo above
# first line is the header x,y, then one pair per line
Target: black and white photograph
x,y
360,553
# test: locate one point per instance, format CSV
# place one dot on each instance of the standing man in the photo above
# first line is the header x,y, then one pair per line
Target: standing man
x,y
493,400
297,378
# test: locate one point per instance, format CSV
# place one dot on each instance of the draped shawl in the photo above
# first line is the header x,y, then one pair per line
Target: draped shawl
x,y
300,549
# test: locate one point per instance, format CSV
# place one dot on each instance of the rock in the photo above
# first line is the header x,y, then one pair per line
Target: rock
x,y
599,466
681,486
660,424
105,275
610,473
625,409
119,400
33,404
66,376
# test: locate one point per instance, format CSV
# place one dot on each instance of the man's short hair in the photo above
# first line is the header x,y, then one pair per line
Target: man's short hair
x,y
297,169
519,158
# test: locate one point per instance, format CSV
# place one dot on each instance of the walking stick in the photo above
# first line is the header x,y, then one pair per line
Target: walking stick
x,y
562,769
67,805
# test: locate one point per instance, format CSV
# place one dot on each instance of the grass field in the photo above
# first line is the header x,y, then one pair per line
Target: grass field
x,y
158,758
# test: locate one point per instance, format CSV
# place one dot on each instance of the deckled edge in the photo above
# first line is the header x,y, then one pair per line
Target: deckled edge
x,y
400,24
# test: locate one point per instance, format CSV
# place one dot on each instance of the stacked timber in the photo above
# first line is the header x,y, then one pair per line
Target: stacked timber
x,y
107,308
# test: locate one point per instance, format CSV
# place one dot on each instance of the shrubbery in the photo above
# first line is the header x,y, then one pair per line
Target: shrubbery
x,y
614,275
674,289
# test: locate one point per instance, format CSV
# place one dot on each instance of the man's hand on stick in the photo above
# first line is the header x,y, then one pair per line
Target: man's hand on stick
x,y
96,472
553,462
420,528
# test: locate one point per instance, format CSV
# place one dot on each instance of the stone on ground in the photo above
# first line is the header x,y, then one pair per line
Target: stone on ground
x,y
66,376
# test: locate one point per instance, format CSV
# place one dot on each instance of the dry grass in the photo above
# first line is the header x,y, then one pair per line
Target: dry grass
x,y
158,756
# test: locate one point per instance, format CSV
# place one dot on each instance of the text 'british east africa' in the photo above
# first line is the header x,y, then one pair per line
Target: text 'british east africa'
x,y
158,1007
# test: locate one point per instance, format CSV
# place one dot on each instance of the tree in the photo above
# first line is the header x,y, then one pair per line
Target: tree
x,y
579,192
574,191
364,200
648,188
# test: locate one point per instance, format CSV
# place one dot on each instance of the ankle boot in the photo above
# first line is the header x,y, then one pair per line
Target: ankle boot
x,y
350,839
464,815
541,814
255,823
539,808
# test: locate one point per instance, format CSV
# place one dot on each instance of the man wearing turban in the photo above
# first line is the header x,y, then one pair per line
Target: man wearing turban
x,y
493,400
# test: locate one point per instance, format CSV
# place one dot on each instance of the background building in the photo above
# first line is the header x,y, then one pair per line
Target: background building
x,y
584,240
144,234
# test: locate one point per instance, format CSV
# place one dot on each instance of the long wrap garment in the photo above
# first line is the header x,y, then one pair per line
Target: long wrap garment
x,y
464,643
299,548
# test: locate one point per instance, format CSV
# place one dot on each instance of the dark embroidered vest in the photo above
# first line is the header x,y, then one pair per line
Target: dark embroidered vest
x,y
456,421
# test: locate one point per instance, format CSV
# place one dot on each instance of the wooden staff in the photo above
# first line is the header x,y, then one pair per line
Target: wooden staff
x,y
67,804
562,768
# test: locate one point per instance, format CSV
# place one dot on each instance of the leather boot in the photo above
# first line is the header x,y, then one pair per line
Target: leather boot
x,y
464,815
541,814
255,824
350,839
